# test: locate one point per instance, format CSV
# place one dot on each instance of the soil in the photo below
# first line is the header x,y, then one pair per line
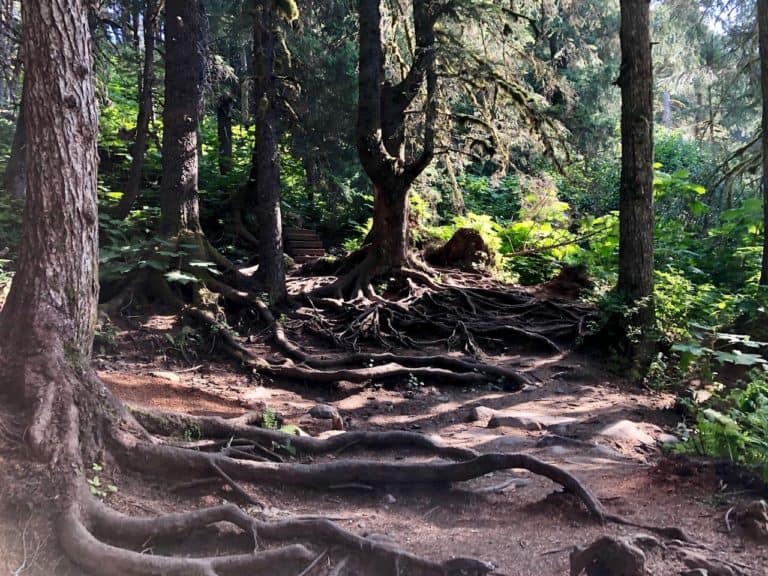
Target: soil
x,y
525,526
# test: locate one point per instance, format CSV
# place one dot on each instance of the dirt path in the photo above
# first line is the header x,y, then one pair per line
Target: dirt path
x,y
524,527
559,420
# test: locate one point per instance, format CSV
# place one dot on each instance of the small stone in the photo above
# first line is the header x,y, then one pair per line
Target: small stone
x,y
481,414
627,431
695,560
508,443
328,412
608,556
389,499
166,375
667,439
753,519
527,420
324,412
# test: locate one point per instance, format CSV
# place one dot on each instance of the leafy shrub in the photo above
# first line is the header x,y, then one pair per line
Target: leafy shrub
x,y
735,426
498,199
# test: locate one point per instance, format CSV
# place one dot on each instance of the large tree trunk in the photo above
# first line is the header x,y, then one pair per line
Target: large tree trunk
x,y
271,263
381,139
146,83
762,21
389,235
15,177
636,216
51,309
184,70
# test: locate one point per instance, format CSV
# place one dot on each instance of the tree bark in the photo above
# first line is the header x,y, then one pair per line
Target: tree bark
x,y
15,177
184,72
762,21
381,126
389,235
50,313
146,82
636,215
245,91
271,263
224,132
224,107
666,109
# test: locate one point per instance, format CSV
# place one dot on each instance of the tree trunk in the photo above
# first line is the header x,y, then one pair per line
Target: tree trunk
x,y
389,235
50,313
699,117
245,91
666,109
381,136
146,81
762,21
271,264
15,177
224,132
184,69
636,216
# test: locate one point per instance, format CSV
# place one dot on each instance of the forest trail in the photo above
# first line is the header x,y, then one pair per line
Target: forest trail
x,y
517,520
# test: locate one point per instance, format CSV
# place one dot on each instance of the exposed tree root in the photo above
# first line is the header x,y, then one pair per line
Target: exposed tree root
x,y
152,457
463,317
89,552
468,464
310,369
238,451
463,312
141,530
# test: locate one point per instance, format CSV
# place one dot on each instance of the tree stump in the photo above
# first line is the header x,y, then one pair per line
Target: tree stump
x,y
465,250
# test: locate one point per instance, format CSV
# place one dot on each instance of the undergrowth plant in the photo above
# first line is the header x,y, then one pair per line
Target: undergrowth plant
x,y
734,426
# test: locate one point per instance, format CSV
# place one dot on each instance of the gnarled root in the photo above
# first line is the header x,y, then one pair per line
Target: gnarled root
x,y
322,532
467,464
443,368
77,538
424,305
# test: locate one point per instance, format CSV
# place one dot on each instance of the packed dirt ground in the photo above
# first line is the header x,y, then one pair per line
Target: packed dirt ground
x,y
610,434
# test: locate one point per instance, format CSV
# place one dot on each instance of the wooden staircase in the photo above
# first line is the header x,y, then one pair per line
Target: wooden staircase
x,y
302,245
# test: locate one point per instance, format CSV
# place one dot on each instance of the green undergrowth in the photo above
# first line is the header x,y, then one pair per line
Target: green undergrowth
x,y
733,425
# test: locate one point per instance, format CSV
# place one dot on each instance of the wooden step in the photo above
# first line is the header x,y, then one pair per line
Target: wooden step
x,y
298,244
296,233
303,239
303,245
